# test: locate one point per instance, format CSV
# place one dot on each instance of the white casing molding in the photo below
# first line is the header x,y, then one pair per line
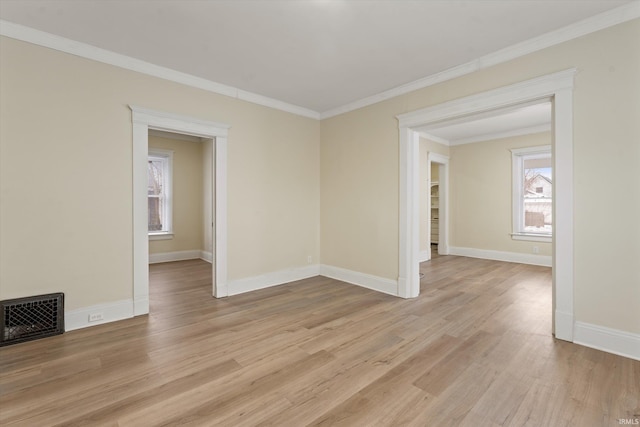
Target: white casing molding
x,y
368,281
144,119
111,312
531,259
558,87
275,278
610,340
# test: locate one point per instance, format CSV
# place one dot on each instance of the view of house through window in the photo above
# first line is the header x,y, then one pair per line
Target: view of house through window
x,y
159,191
538,195
532,192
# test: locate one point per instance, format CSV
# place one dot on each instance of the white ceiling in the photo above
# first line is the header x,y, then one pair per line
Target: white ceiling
x,y
317,54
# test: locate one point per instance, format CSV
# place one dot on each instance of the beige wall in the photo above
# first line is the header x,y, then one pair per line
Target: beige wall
x,y
66,176
188,200
359,198
481,195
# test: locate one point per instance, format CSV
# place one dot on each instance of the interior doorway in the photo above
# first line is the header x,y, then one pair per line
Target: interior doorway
x,y
434,212
558,87
180,200
143,120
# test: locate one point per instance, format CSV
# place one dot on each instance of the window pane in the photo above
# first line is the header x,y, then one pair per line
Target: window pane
x,y
155,217
155,177
538,196
154,191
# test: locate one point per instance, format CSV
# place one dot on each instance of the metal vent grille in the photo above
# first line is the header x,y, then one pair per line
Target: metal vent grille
x,y
25,319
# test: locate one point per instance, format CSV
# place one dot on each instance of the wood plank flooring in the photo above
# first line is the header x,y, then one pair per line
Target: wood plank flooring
x,y
475,349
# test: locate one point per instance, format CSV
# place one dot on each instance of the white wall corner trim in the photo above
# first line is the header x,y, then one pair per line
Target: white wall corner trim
x,y
174,256
83,50
368,281
111,312
541,260
248,284
614,341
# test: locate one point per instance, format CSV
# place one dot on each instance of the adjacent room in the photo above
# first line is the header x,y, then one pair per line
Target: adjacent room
x,y
371,213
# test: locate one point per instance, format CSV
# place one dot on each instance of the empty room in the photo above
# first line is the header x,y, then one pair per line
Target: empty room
x,y
322,212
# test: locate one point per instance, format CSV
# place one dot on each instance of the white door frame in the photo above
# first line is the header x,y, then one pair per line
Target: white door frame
x,y
144,119
443,209
557,86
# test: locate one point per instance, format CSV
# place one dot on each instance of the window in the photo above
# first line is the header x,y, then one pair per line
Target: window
x,y
159,171
532,193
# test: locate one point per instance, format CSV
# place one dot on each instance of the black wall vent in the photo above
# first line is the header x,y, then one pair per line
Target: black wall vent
x,y
30,318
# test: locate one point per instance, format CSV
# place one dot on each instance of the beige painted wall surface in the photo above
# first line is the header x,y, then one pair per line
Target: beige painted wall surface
x,y
426,147
481,195
188,206
360,160
66,176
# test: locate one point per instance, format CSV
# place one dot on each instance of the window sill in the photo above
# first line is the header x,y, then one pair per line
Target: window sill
x,y
160,236
532,237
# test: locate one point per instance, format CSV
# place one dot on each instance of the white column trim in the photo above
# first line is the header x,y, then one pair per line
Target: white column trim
x,y
562,262
409,244
140,213
220,213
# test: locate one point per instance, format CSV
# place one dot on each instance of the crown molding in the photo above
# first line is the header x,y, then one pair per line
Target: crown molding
x,y
595,23
590,25
83,50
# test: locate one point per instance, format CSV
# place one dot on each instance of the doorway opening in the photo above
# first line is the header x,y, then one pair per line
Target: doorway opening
x,y
180,201
559,88
145,120
434,203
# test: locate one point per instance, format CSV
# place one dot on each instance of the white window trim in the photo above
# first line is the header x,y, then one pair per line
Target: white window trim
x,y
517,161
166,155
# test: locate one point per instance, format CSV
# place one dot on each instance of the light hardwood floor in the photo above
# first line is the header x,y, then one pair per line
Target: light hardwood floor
x,y
474,349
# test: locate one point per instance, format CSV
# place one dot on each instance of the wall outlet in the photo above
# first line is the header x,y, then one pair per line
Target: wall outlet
x,y
536,250
94,317
309,259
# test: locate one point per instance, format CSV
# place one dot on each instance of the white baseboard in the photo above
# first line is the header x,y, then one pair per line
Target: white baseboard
x,y
542,260
368,281
111,311
180,256
174,256
271,279
610,340
206,256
